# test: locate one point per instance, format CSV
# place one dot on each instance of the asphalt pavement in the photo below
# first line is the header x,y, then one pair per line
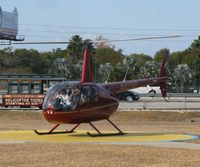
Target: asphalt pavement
x,y
159,103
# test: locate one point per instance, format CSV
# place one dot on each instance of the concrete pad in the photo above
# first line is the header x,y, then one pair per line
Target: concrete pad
x,y
82,137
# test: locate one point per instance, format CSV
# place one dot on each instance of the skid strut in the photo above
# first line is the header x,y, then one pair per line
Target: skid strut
x,y
57,132
107,134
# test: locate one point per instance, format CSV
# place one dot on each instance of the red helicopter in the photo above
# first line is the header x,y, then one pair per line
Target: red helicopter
x,y
76,102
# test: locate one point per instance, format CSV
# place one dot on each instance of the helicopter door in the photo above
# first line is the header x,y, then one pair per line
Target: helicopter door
x,y
94,95
85,96
89,96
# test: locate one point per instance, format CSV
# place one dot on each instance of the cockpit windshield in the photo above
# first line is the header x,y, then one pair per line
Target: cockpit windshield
x,y
62,97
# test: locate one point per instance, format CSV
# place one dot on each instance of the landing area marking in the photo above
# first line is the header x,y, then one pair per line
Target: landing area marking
x,y
82,137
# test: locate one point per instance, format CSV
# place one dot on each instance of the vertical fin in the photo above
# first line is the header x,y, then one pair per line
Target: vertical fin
x,y
87,66
162,67
163,74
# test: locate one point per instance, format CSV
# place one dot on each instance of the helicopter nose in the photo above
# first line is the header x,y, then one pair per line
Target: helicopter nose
x,y
49,109
49,112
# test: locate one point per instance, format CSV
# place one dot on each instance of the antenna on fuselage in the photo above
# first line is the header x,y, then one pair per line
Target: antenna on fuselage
x,y
126,74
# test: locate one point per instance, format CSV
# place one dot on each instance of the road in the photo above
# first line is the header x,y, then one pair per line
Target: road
x,y
175,103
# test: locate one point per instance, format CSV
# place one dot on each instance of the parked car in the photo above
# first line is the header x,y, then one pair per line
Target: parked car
x,y
152,90
128,96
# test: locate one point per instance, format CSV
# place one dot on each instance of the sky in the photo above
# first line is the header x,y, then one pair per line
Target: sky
x,y
58,20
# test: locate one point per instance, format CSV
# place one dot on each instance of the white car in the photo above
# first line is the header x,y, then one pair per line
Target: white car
x,y
151,90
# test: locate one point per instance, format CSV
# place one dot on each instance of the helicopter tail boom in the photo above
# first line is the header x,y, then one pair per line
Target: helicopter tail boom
x,y
120,86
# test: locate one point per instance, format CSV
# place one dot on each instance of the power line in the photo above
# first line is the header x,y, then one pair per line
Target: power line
x,y
60,31
110,28
76,32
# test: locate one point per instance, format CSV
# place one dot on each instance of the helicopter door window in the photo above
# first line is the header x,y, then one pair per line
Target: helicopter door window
x,y
94,95
75,95
66,99
85,95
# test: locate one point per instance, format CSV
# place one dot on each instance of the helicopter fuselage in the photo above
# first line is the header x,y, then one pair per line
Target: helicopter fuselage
x,y
88,102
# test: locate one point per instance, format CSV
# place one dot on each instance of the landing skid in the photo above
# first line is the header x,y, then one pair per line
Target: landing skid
x,y
106,134
50,133
57,132
99,134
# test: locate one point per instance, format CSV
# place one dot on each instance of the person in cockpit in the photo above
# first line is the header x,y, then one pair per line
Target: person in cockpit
x,y
63,99
67,98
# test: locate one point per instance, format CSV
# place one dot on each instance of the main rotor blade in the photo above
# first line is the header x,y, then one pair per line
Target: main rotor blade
x,y
139,39
112,40
33,43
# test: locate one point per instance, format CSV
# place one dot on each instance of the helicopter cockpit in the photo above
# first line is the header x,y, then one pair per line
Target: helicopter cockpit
x,y
62,97
74,96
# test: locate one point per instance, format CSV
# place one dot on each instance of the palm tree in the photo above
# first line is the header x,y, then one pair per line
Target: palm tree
x,y
75,48
182,75
105,70
128,62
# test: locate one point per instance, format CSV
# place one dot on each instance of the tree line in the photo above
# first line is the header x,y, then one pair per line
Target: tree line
x,y
109,64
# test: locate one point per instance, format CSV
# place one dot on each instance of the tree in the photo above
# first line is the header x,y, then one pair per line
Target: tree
x,y
117,73
129,63
195,45
6,57
159,54
194,51
150,69
31,59
7,61
63,68
182,76
108,55
101,42
139,62
75,49
105,71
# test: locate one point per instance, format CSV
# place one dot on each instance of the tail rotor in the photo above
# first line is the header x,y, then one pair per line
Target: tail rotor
x,y
163,73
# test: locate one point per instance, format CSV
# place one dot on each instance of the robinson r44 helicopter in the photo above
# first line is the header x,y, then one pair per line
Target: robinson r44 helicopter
x,y
76,102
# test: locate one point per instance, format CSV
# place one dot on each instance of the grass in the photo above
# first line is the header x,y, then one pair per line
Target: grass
x,y
83,155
